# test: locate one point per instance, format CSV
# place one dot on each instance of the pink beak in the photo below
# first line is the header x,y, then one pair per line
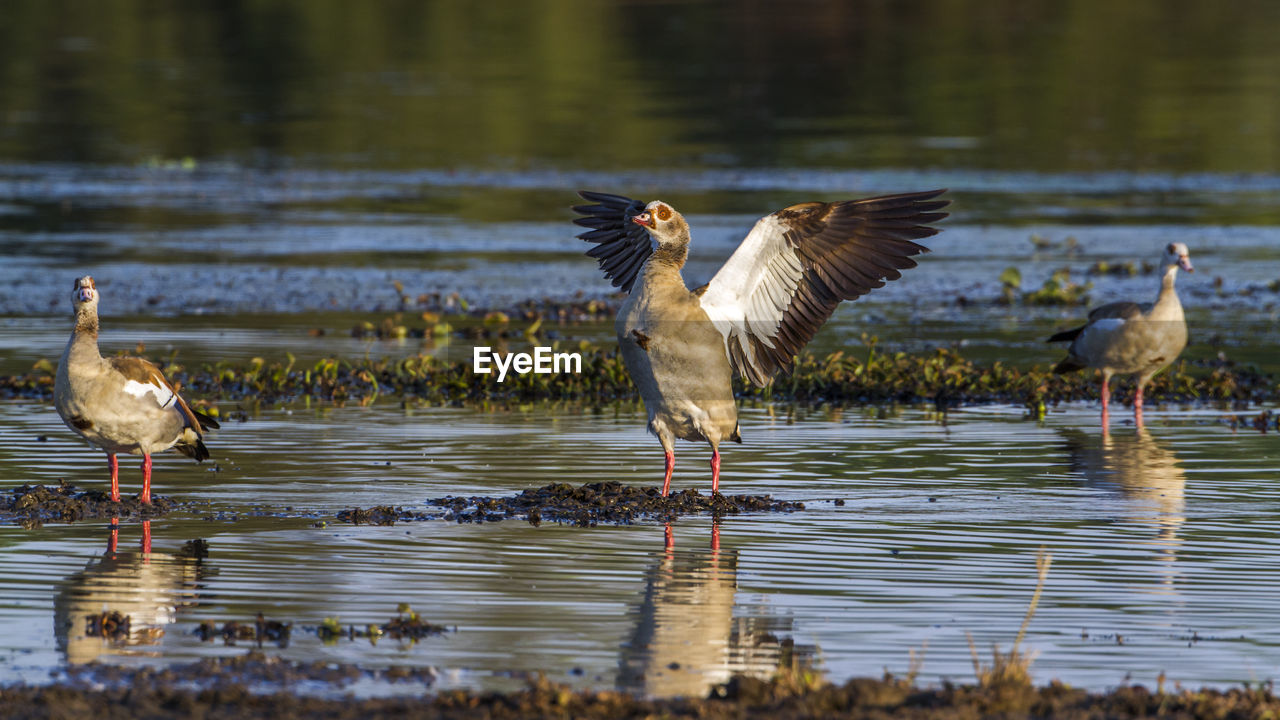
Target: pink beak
x,y
1184,262
84,294
644,219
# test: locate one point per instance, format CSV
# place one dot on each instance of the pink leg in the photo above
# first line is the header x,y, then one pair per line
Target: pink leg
x,y
146,480
715,471
146,537
115,476
1106,400
671,464
1137,407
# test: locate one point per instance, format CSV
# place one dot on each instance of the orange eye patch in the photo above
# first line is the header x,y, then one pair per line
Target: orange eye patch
x,y
664,212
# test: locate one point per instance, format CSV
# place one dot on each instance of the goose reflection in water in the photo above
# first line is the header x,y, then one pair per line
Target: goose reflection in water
x,y
689,633
122,602
1144,471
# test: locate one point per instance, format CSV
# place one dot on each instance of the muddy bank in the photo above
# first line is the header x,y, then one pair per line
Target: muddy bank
x,y
943,378
33,505
583,506
222,689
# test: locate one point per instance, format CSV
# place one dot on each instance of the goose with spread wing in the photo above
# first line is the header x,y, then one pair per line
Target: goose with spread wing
x,y
683,347
121,404
1131,338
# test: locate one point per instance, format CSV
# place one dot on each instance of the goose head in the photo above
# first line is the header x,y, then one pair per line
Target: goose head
x,y
84,295
666,226
1177,254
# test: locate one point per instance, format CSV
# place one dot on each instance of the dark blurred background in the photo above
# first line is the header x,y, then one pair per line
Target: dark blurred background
x,y
1173,85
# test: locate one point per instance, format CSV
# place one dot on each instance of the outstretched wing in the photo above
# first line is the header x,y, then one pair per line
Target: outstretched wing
x,y
796,265
621,245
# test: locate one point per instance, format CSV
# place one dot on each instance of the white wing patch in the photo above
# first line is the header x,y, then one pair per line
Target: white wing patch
x,y
1105,325
751,292
164,397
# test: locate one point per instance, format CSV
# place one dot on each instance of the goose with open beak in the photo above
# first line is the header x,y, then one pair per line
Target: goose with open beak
x,y
683,347
121,404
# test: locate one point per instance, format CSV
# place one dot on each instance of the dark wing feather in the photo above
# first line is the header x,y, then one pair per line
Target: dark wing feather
x,y
813,255
1123,310
621,245
1066,335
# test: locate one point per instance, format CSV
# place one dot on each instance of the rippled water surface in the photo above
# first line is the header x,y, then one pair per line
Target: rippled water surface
x,y
916,533
256,179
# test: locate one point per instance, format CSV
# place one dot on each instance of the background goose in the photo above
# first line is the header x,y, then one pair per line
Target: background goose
x,y
1128,338
121,404
682,348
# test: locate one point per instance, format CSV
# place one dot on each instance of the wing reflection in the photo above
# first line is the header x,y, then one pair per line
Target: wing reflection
x,y
122,601
689,633
1144,471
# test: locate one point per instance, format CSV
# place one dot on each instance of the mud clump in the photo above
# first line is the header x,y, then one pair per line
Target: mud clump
x,y
34,505
382,515
606,502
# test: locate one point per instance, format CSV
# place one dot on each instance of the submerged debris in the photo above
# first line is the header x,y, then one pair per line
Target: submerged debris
x,y
407,625
110,625
260,631
33,505
1262,422
230,674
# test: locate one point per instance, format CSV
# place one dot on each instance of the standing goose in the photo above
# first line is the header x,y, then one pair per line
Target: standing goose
x,y
1128,338
121,404
682,348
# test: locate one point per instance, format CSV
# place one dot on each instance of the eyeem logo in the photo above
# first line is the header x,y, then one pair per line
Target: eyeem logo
x,y
542,361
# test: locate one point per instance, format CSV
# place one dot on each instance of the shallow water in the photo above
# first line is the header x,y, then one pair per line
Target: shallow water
x,y
1163,543
265,271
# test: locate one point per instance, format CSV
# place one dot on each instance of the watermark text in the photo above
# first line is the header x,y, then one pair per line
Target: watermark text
x,y
543,361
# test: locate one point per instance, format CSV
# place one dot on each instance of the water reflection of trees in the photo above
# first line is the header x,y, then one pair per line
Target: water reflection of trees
x,y
123,601
839,82
690,632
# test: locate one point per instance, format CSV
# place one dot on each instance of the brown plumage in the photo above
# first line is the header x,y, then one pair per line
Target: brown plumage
x,y
121,404
761,308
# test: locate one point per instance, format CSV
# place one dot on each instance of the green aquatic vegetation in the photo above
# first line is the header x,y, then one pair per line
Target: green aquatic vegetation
x,y
1010,285
943,377
1059,289
330,630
